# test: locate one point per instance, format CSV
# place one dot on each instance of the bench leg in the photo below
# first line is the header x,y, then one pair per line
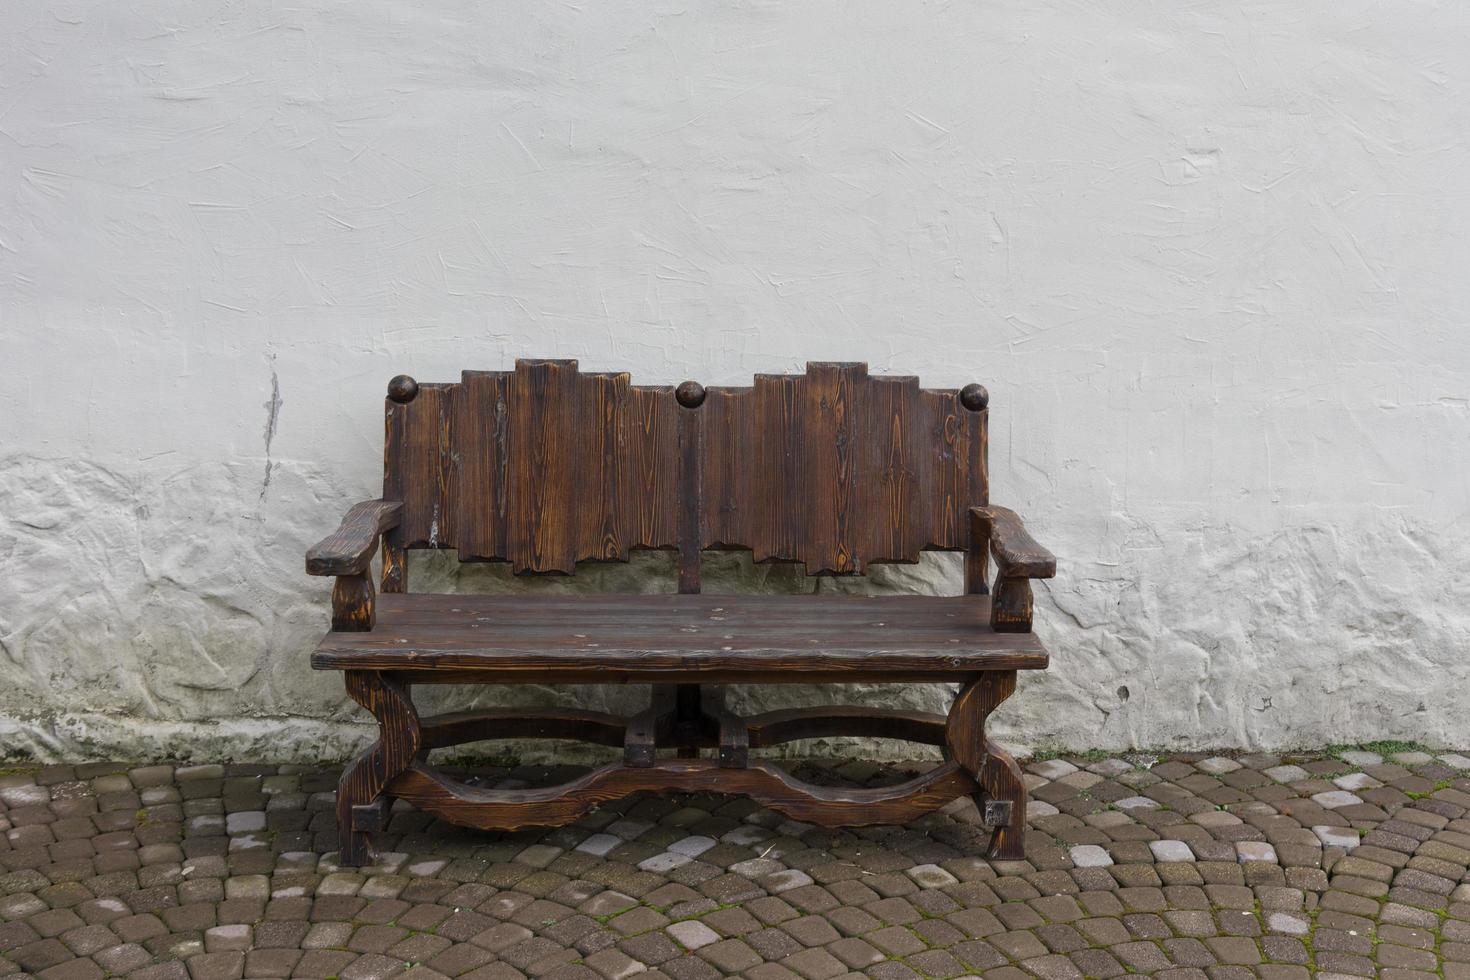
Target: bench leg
x,y
1002,796
360,799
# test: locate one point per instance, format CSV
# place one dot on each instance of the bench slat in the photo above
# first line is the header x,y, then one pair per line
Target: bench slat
x,y
630,635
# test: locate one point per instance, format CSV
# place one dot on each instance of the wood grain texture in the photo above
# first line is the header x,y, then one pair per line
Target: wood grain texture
x,y
965,728
999,531
543,466
354,605
1017,553
489,809
349,549
1002,795
838,469
364,780
1011,607
396,767
546,466
1001,780
619,638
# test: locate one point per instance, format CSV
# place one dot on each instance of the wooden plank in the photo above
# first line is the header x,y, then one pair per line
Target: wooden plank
x,y
653,482
540,517
888,480
664,660
709,622
597,489
543,467
421,480
828,427
947,485
725,474
480,442
710,613
783,496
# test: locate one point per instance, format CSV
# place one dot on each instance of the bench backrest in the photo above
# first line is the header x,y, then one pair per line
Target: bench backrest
x,y
545,466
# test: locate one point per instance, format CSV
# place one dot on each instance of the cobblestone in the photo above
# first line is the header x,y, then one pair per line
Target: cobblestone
x,y
1193,866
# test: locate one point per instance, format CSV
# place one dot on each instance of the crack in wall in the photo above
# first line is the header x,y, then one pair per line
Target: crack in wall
x,y
272,418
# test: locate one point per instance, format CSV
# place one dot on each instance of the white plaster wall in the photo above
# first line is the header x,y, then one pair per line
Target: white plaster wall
x,y
1211,260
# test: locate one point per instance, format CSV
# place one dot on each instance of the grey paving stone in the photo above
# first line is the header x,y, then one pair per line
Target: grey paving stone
x,y
1335,799
1052,769
1164,869
1217,765
1287,774
1090,856
1171,851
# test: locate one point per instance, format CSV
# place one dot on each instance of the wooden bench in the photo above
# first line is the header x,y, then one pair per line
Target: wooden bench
x,y
545,467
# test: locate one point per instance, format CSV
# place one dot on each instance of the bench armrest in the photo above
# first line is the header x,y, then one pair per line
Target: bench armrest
x,y
998,531
349,549
348,554
1017,553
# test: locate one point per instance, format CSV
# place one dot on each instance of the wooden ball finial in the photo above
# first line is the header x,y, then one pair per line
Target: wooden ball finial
x,y
690,394
974,397
403,389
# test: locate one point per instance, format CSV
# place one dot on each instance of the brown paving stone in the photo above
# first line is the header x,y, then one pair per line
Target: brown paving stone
x,y
217,966
772,943
1144,957
78,969
1346,963
123,958
81,846
460,958
40,955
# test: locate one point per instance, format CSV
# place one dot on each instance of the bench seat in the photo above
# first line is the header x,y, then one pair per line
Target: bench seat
x,y
672,637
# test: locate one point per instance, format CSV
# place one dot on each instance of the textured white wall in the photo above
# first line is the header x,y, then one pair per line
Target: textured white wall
x,y
1211,260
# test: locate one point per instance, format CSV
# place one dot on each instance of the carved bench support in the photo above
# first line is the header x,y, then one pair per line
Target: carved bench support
x,y
495,809
363,782
1002,795
396,765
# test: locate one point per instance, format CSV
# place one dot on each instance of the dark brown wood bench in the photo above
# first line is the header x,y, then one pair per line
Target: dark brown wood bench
x,y
546,467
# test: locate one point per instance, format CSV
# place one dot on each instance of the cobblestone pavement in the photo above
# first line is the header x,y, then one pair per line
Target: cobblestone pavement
x,y
1182,867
